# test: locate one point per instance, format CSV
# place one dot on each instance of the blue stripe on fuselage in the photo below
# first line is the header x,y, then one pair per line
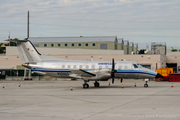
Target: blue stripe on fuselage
x,y
50,70
136,71
118,71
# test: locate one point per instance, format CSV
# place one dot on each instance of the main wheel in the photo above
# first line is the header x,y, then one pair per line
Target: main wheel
x,y
96,84
85,86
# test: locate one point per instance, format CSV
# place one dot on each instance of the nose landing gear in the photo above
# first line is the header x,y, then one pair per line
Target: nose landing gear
x,y
146,81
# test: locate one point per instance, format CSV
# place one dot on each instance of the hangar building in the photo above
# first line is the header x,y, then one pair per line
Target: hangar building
x,y
98,42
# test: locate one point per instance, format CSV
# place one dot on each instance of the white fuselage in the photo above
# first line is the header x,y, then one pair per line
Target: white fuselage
x,y
102,69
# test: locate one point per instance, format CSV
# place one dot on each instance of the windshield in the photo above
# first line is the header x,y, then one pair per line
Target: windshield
x,y
139,66
135,66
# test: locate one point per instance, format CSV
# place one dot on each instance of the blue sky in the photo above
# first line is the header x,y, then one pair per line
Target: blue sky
x,y
139,21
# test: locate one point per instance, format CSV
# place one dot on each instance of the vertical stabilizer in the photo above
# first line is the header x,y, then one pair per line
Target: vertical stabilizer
x,y
27,51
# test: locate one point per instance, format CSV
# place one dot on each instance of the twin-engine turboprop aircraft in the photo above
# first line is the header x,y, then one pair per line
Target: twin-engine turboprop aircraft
x,y
79,69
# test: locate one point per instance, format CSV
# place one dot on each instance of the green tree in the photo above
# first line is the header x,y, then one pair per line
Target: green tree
x,y
11,43
1,51
142,51
174,50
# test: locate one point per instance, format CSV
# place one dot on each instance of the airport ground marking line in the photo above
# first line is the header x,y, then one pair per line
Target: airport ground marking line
x,y
123,104
72,99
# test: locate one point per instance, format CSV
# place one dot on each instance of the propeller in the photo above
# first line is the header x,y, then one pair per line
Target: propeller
x,y
113,71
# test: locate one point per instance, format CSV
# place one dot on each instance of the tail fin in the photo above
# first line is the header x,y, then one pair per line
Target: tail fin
x,y
29,53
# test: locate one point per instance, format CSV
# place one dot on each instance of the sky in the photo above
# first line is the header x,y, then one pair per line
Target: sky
x,y
139,21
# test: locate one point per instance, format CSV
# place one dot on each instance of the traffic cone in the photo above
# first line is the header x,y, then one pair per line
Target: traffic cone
x,y
71,88
172,85
19,85
109,83
3,86
135,85
122,86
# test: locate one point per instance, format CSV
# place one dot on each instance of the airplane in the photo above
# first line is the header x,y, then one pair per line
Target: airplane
x,y
79,69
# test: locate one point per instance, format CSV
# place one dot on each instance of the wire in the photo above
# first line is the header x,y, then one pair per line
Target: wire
x,y
107,27
118,21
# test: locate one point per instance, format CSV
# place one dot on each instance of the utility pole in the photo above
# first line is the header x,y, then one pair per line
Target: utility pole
x,y
28,24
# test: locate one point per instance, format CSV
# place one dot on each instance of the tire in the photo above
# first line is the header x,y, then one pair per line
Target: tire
x,y
145,85
85,86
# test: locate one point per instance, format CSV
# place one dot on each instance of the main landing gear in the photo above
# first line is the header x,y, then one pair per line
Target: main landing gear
x,y
85,85
146,81
96,84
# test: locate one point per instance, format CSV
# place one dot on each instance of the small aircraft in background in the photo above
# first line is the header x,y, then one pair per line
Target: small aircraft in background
x,y
79,69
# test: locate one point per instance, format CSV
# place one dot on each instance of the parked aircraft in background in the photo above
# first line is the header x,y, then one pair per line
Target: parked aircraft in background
x,y
79,69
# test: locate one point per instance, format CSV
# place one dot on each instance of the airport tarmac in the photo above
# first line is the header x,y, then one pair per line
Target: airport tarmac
x,y
53,100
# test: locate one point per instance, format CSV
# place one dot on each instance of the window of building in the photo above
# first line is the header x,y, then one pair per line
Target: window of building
x,y
79,44
72,44
65,44
86,44
59,45
93,44
45,45
103,46
52,45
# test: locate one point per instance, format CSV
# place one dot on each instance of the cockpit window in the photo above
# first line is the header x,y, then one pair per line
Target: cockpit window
x,y
135,66
139,66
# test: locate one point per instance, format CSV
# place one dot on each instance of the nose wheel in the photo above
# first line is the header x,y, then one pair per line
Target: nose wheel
x,y
146,85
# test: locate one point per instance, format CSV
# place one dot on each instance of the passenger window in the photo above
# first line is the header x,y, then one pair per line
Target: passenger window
x,y
93,66
120,67
100,67
87,66
106,67
74,66
63,66
69,66
80,67
125,67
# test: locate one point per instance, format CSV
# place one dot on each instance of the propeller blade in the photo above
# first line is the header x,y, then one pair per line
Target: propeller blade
x,y
112,71
121,80
113,64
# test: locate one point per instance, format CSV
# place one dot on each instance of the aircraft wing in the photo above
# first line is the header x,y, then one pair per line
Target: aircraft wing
x,y
84,73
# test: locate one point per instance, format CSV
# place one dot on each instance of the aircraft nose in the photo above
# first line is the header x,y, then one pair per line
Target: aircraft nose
x,y
158,75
